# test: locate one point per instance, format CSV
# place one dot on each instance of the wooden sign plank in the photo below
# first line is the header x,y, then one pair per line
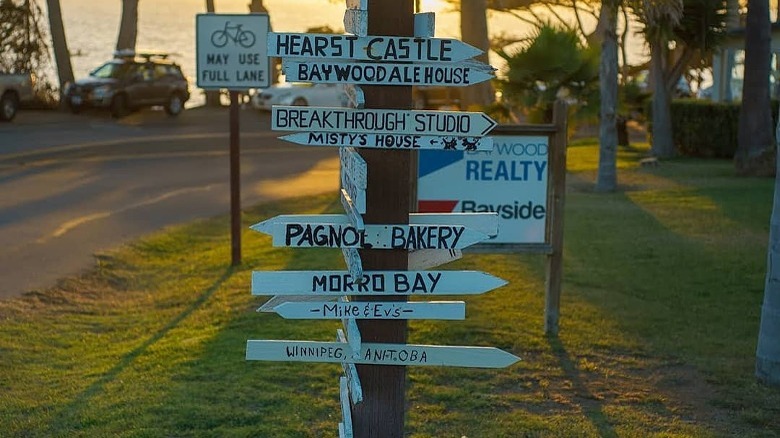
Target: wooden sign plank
x,y
354,264
354,339
379,354
431,258
350,372
355,95
391,236
355,166
277,300
391,141
346,408
341,431
357,4
424,24
353,213
483,222
380,121
356,22
338,283
442,310
369,48
325,71
356,195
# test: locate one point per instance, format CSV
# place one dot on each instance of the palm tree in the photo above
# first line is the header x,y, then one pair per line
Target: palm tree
x,y
606,180
128,26
754,151
59,44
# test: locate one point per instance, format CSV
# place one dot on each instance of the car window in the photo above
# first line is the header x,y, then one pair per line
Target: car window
x,y
110,70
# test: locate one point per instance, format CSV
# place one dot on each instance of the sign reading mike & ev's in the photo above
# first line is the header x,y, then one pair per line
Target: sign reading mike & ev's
x,y
232,51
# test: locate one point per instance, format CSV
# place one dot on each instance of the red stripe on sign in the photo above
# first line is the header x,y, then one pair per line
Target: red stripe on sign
x,y
436,206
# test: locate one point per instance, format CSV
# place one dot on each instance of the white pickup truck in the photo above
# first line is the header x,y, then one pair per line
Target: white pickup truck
x,y
14,89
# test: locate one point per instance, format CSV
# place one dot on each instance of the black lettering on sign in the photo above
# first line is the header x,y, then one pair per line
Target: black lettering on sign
x,y
425,237
324,236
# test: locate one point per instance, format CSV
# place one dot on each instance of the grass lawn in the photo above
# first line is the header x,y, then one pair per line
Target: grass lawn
x,y
663,284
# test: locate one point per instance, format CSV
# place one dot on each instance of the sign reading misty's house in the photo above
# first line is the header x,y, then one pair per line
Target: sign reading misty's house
x,y
231,51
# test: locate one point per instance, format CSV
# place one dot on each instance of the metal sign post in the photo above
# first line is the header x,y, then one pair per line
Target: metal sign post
x,y
231,54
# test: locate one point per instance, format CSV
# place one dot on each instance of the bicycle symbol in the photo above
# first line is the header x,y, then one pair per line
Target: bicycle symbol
x,y
244,38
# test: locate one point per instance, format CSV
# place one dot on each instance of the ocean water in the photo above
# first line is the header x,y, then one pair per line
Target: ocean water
x,y
91,27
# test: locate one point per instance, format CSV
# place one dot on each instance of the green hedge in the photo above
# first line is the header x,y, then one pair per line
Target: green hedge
x,y
702,128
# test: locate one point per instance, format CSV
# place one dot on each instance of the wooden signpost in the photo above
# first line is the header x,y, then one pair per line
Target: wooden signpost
x,y
387,249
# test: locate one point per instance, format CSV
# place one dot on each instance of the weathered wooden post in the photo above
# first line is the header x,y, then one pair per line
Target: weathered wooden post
x,y
381,414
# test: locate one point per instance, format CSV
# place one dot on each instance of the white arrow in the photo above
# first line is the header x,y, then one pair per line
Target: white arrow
x,y
444,310
378,121
379,354
483,222
338,283
369,48
391,141
406,237
460,74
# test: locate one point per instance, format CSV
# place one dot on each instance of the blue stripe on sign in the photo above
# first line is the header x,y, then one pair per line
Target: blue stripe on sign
x,y
431,161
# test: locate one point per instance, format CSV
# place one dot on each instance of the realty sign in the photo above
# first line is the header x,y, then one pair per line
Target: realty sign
x,y
231,51
510,180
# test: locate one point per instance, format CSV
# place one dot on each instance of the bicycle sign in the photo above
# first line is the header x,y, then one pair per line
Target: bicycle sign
x,y
232,51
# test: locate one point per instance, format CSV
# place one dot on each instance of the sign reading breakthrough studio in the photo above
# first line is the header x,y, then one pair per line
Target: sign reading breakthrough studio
x,y
231,51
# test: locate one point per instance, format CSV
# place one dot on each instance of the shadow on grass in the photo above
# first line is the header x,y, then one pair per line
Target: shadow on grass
x,y
81,401
593,410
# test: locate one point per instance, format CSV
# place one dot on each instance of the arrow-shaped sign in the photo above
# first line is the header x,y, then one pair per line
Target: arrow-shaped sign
x,y
406,237
338,283
444,310
369,48
483,222
379,354
391,141
458,74
380,121
350,372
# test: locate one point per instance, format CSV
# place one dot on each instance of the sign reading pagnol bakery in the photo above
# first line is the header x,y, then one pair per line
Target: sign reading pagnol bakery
x,y
231,51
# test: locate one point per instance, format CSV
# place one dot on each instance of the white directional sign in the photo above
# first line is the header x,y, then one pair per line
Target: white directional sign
x,y
354,181
483,222
350,372
369,48
356,22
445,310
354,264
407,237
355,95
431,258
346,408
353,211
458,74
338,283
355,166
391,141
379,354
231,51
380,121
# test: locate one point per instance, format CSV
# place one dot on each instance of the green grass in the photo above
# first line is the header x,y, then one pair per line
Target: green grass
x,y
663,284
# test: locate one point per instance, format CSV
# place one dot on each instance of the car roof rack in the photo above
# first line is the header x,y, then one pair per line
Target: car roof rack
x,y
130,53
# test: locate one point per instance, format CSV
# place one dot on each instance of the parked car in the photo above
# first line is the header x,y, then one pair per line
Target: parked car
x,y
301,94
15,89
131,81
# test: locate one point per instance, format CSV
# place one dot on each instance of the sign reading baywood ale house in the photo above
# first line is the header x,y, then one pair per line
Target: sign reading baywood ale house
x,y
510,180
231,51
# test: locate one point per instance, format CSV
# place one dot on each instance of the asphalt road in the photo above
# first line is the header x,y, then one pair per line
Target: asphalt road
x,y
73,186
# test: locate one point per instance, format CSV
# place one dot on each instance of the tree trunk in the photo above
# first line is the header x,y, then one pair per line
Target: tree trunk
x,y
608,83
59,44
474,31
212,96
662,139
128,27
754,154
768,350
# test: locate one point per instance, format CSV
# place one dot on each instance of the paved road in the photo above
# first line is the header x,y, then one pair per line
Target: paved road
x,y
73,186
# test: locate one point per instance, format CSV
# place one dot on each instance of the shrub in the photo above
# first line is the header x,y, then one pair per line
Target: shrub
x,y
702,128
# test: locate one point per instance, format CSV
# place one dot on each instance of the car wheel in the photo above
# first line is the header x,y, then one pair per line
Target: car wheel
x,y
9,104
119,106
175,105
299,101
